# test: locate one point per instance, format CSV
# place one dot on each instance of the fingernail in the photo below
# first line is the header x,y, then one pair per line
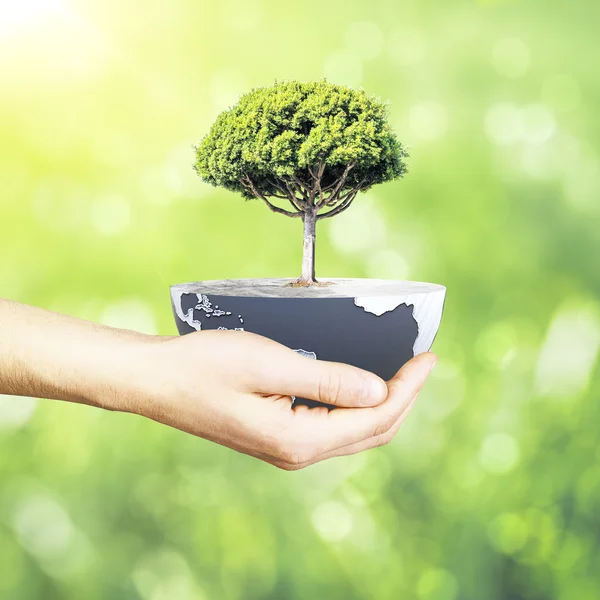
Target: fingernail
x,y
433,363
374,391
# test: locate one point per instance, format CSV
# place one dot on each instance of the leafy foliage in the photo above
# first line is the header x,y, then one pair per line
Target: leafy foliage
x,y
315,144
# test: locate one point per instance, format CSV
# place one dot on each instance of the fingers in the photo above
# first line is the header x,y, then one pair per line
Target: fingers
x,y
369,443
282,371
354,425
353,429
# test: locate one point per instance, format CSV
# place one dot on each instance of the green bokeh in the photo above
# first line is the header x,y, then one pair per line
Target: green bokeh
x,y
492,489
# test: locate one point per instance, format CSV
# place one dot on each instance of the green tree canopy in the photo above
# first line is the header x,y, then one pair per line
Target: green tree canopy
x,y
279,139
314,145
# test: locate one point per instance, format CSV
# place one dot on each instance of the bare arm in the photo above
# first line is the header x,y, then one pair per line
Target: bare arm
x,y
233,388
49,355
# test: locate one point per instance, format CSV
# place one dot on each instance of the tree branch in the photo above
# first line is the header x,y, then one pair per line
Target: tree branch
x,y
341,207
316,189
301,186
287,194
342,197
249,184
338,187
293,191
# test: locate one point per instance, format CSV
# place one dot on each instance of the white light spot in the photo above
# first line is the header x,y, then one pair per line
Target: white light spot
x,y
387,264
428,120
499,453
407,48
539,124
173,180
111,215
50,31
541,162
16,15
359,229
511,58
130,313
163,575
343,68
569,352
364,39
43,527
332,520
504,123
16,411
444,393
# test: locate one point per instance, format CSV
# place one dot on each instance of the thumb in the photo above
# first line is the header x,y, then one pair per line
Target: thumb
x,y
291,374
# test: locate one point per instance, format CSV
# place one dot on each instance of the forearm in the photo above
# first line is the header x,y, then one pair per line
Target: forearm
x,y
48,355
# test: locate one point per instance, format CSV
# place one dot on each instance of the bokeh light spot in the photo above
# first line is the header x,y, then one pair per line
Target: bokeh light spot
x,y
569,352
428,120
130,313
16,411
511,58
496,341
360,229
541,162
332,520
444,393
43,526
539,124
437,584
508,533
407,48
17,15
364,39
499,453
504,123
581,181
387,264
111,214
165,575
59,206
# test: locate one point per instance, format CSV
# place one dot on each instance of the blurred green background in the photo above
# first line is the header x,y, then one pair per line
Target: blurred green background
x,y
492,489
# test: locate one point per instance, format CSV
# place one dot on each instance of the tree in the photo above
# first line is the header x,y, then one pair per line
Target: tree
x,y
309,146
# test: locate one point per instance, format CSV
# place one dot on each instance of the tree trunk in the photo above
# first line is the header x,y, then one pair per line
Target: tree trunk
x,y
308,254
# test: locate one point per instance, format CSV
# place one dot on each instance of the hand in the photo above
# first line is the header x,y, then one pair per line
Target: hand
x,y
235,389
231,387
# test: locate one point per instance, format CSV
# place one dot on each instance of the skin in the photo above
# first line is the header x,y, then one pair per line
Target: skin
x,y
232,388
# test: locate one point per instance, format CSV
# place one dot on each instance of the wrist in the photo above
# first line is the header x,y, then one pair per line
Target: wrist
x,y
119,371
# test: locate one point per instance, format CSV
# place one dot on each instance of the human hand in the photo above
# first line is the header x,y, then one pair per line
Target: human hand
x,y
235,389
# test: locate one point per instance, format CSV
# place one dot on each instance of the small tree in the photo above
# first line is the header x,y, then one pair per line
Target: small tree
x,y
309,146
